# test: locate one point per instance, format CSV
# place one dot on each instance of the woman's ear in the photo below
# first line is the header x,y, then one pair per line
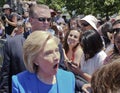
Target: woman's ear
x,y
36,63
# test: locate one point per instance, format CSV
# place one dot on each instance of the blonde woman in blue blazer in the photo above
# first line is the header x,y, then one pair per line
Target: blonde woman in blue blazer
x,y
41,59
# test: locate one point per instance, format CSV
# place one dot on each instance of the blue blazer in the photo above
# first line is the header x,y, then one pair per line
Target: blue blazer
x,y
26,82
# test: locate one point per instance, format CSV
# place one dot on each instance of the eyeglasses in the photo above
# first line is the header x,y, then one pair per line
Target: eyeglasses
x,y
116,30
85,24
42,19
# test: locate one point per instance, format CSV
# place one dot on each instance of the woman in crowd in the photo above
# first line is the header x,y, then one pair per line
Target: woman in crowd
x,y
91,59
93,54
106,32
107,78
72,47
41,58
116,50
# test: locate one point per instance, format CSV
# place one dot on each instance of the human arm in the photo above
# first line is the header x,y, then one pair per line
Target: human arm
x,y
14,31
82,85
13,22
78,54
65,56
86,88
14,85
77,71
4,74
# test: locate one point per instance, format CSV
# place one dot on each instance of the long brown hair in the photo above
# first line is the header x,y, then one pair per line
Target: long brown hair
x,y
107,78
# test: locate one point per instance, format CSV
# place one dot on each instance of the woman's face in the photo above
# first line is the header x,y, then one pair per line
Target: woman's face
x,y
73,38
117,41
73,24
48,59
85,26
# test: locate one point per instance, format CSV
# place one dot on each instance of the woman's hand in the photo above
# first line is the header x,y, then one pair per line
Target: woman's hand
x,y
73,67
85,88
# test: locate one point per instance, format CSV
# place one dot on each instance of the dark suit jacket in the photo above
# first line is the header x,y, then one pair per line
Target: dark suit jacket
x,y
12,62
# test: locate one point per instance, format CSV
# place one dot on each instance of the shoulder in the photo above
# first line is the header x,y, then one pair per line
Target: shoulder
x,y
63,73
23,82
101,54
100,57
111,57
78,50
66,81
23,76
16,38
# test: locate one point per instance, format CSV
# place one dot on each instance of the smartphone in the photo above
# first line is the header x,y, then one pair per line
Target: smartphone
x,y
72,64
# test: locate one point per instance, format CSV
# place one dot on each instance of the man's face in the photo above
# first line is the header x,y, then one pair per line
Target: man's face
x,y
41,20
7,11
86,26
116,28
73,24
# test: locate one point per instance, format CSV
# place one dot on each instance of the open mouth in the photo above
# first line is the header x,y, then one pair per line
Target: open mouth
x,y
55,66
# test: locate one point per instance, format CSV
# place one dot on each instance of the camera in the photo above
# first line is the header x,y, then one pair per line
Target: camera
x,y
3,17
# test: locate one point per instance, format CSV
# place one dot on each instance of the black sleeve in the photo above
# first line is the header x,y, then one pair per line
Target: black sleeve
x,y
79,82
4,74
78,85
61,64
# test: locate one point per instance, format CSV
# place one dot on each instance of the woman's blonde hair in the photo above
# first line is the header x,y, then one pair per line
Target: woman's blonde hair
x,y
33,45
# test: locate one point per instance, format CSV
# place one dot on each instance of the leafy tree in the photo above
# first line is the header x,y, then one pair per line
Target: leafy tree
x,y
2,2
54,4
105,8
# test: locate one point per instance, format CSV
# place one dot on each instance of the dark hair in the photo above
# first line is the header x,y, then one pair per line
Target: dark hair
x,y
69,23
65,44
115,48
107,27
91,43
116,22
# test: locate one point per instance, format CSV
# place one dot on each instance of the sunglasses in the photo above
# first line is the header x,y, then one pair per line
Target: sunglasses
x,y
116,30
85,24
42,19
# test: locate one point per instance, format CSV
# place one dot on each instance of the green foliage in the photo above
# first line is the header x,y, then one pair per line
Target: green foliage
x,y
2,2
104,8
54,4
107,7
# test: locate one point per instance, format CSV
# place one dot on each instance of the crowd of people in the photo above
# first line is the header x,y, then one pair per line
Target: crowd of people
x,y
45,52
